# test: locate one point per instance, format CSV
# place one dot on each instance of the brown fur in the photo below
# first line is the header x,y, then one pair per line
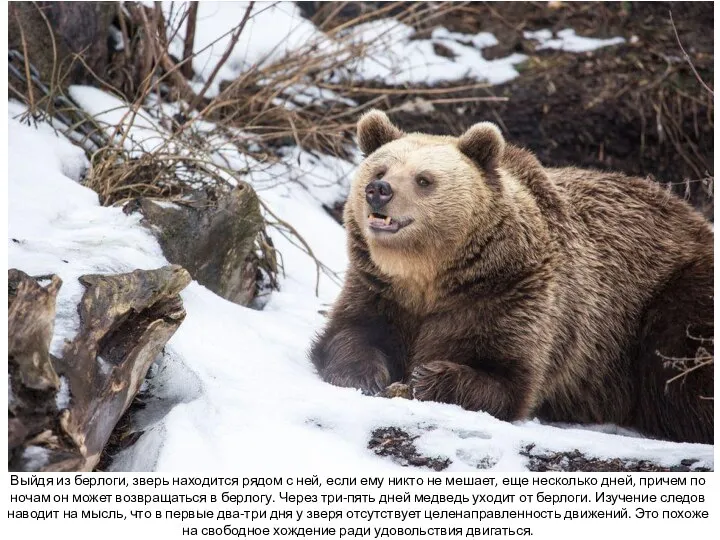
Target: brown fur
x,y
522,290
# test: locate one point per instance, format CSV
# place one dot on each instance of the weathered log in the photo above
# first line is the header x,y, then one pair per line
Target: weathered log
x,y
31,320
33,381
212,239
62,411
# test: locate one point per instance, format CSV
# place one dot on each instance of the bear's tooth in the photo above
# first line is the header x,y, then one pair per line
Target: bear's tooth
x,y
387,220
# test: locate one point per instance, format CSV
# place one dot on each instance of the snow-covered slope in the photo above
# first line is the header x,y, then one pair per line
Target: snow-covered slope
x,y
277,29
234,390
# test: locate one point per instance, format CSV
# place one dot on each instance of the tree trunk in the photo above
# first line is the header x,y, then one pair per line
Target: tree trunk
x,y
50,34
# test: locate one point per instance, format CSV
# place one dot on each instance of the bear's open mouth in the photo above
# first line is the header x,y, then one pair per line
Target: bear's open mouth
x,y
381,222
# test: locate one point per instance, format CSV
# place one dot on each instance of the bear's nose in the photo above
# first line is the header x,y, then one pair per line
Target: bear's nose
x,y
378,193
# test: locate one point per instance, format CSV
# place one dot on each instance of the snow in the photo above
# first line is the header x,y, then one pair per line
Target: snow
x,y
62,399
277,29
396,59
234,389
116,118
271,32
35,457
390,52
567,40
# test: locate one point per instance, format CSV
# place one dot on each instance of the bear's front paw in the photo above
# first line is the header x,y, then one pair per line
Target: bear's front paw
x,y
369,375
436,381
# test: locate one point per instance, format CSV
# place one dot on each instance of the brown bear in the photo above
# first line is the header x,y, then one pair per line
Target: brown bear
x,y
486,280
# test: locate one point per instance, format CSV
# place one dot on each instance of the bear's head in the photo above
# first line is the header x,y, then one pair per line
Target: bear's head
x,y
417,197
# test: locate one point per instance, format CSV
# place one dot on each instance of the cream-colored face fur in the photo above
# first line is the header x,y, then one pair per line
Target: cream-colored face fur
x,y
439,193
436,191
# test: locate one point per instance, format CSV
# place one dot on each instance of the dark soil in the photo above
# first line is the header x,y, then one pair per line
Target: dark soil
x,y
544,461
398,444
636,108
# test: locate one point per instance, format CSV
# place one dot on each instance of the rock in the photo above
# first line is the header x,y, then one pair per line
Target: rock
x,y
213,239
61,411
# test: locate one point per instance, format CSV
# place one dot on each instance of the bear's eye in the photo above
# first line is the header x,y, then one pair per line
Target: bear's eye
x,y
379,174
422,181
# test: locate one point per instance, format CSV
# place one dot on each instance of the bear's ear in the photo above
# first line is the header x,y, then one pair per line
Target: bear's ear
x,y
484,144
375,129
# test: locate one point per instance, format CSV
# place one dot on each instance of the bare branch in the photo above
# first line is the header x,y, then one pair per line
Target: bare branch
x,y
187,69
233,41
687,58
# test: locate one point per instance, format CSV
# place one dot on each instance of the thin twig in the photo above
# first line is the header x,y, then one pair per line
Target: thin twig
x,y
53,76
31,97
685,373
687,58
319,266
228,51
